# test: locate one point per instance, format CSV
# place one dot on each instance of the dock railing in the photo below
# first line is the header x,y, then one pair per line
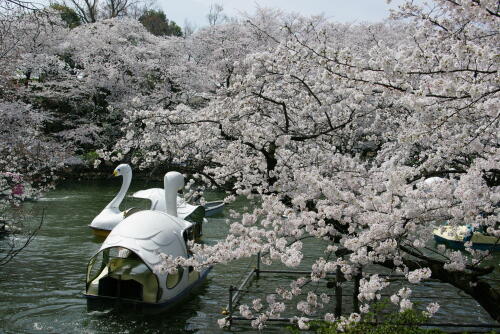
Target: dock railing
x,y
236,293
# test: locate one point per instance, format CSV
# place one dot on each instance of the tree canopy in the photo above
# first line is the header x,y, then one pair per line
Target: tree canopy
x,y
156,22
68,15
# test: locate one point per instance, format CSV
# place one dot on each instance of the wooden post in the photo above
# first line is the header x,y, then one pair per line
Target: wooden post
x,y
118,289
355,292
230,308
257,270
230,305
338,293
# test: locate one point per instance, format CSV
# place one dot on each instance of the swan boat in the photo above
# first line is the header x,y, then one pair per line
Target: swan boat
x,y
127,266
111,215
456,237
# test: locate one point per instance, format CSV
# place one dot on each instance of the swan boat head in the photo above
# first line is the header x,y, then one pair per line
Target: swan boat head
x,y
111,215
127,266
122,170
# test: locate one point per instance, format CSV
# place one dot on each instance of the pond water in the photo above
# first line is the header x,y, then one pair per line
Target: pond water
x,y
41,289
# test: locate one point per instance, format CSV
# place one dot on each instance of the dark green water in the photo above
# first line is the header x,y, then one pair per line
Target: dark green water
x,y
41,289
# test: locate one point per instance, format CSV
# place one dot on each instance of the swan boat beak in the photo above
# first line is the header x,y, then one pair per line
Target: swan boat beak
x,y
115,173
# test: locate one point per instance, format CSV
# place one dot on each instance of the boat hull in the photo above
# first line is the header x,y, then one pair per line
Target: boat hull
x,y
213,208
100,303
100,233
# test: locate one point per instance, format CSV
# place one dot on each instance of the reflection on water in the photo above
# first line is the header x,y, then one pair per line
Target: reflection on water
x,y
41,289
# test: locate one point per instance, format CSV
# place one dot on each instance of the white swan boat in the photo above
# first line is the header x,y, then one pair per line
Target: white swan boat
x,y
126,267
111,215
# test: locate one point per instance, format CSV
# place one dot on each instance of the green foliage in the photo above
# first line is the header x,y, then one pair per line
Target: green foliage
x,y
68,15
90,157
406,322
378,322
157,23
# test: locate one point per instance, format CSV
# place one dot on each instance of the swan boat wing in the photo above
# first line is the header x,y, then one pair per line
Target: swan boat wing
x,y
185,210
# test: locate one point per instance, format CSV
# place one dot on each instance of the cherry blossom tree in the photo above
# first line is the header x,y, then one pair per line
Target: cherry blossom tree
x,y
85,76
29,162
24,37
29,159
336,129
28,156
117,57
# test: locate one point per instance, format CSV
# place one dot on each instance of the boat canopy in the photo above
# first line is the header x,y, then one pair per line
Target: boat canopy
x,y
119,272
149,233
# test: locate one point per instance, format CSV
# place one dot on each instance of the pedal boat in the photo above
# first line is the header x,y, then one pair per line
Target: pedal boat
x,y
127,266
111,215
456,236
